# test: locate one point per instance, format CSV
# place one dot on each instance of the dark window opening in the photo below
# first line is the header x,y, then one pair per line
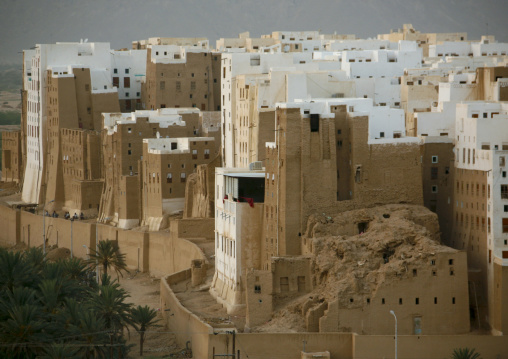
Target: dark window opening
x,y
362,227
314,123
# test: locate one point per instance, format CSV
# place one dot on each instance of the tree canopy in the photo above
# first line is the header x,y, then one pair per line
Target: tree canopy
x,y
57,310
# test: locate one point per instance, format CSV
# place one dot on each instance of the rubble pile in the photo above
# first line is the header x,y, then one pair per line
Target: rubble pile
x,y
356,252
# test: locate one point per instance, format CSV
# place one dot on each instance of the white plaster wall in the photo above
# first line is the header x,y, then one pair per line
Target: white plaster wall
x,y
447,48
437,122
135,61
387,120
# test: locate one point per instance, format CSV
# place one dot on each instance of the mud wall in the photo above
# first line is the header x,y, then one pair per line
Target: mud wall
x,y
186,325
9,225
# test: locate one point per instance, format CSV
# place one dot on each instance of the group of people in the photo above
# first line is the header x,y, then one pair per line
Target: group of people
x,y
66,216
75,217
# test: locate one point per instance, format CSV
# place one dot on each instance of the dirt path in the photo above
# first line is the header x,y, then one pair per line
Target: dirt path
x,y
145,290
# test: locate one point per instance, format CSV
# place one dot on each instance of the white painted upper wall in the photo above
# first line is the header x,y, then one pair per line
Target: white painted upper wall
x,y
134,61
167,146
386,123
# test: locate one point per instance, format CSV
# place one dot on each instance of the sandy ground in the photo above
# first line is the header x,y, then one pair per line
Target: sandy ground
x,y
145,290
199,300
9,192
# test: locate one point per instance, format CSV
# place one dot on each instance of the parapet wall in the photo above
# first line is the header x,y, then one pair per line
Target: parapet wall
x,y
186,325
432,346
193,228
170,253
160,253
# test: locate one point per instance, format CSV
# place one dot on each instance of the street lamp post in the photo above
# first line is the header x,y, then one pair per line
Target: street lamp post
x,y
392,313
44,228
87,251
96,251
72,221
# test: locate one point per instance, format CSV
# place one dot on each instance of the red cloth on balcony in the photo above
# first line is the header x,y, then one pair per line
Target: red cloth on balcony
x,y
250,201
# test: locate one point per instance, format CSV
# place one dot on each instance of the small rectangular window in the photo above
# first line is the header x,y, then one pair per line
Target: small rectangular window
x,y
284,284
434,173
505,225
504,191
434,159
314,123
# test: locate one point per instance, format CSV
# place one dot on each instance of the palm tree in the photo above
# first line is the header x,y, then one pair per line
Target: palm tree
x,y
109,304
16,271
143,318
75,268
108,255
465,353
35,256
18,297
91,330
59,351
24,332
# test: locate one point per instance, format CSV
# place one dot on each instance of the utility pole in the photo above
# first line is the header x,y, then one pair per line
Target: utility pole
x,y
234,344
72,255
393,313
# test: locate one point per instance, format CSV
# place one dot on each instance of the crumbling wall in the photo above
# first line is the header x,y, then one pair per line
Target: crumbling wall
x,y
200,191
313,315
370,261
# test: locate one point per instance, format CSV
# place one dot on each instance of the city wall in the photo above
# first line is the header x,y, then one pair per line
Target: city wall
x,y
171,254
424,347
186,325
9,225
160,253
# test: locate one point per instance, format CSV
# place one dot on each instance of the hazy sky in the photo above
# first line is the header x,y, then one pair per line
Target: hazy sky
x,y
24,23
